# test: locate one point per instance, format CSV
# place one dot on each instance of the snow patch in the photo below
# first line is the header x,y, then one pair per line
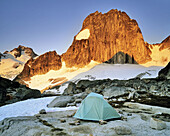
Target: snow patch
x,y
29,108
118,71
84,34
159,58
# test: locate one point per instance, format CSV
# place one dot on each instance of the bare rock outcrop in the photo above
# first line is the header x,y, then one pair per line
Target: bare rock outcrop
x,y
104,35
165,43
40,65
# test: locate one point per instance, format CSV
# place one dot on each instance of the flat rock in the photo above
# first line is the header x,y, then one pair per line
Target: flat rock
x,y
123,130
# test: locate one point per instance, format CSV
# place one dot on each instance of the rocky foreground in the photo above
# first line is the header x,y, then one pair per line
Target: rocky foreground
x,y
136,120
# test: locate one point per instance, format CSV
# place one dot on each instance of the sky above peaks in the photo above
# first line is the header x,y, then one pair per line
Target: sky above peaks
x,y
46,25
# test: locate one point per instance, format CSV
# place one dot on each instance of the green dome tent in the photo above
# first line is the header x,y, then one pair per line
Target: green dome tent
x,y
94,107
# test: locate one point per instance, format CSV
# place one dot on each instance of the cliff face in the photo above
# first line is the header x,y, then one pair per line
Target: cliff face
x,y
104,35
40,65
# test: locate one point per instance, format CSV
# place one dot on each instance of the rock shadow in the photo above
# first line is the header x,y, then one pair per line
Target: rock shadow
x,y
121,58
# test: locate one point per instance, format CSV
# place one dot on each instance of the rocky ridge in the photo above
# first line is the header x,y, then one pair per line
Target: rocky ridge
x,y
40,65
17,52
165,72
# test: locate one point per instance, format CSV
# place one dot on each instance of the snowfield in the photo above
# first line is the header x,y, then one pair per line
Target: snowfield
x,y
119,71
29,107
112,71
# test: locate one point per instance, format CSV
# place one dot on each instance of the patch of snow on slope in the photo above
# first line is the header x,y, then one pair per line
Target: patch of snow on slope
x,y
159,58
24,57
84,34
8,63
42,81
118,71
29,108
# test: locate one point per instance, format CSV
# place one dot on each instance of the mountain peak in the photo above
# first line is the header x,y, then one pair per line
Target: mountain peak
x,y
17,52
104,35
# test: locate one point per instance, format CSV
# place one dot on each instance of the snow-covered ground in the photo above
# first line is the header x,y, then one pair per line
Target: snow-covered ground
x,y
29,108
112,71
119,71
10,66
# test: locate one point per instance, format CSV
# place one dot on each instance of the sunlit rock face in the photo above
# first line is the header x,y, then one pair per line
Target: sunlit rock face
x,y
104,35
40,65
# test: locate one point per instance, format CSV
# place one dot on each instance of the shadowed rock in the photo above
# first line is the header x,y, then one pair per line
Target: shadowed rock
x,y
165,72
121,58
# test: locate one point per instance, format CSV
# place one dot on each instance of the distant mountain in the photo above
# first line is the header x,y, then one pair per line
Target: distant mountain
x,y
112,37
12,62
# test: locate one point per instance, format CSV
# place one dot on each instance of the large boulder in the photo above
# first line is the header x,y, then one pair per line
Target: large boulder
x,y
114,91
3,93
26,93
70,89
165,72
157,124
61,101
84,83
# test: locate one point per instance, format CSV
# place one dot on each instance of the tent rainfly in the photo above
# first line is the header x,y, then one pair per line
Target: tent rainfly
x,y
94,107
